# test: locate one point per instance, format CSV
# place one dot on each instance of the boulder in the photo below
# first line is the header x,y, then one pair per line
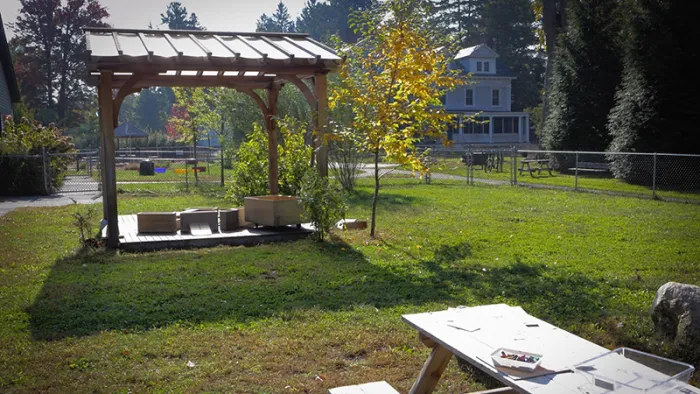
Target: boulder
x,y
676,313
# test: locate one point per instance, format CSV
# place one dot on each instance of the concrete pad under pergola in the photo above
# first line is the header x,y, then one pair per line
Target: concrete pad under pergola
x,y
128,60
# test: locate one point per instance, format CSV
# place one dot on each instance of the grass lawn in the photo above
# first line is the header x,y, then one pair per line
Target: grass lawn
x,y
307,316
453,166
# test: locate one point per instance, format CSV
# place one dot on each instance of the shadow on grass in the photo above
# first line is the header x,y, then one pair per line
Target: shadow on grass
x,y
387,201
92,292
552,294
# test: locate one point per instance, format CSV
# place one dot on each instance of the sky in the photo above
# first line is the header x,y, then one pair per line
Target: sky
x,y
218,15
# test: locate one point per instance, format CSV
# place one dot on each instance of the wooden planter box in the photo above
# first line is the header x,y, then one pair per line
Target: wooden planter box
x,y
273,211
229,219
157,222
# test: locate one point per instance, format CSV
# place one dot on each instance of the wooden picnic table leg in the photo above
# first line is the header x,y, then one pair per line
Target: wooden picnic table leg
x,y
432,370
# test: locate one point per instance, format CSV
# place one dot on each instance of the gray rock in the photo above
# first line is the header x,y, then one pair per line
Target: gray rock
x,y
676,313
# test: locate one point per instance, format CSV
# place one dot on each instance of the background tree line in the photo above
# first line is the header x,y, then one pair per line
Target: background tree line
x,y
623,80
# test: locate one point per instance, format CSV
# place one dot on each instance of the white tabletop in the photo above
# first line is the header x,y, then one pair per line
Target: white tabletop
x,y
475,333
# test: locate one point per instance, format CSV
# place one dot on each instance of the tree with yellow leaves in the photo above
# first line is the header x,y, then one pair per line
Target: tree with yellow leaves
x,y
391,84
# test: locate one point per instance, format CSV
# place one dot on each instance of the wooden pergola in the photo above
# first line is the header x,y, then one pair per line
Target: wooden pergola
x,y
128,60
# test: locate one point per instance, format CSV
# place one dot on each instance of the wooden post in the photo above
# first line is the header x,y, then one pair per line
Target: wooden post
x,y
322,122
432,371
109,182
272,95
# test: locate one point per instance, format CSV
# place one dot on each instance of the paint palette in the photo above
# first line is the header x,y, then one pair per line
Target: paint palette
x,y
516,359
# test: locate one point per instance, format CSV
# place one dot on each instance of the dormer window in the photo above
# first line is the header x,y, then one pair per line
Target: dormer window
x,y
478,67
487,66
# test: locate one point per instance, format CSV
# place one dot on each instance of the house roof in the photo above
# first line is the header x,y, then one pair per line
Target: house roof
x,y
481,50
179,55
128,130
7,67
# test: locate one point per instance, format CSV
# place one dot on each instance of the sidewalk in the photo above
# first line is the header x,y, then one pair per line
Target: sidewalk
x,y
8,204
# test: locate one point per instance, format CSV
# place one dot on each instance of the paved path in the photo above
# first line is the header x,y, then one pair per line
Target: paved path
x,y
386,168
8,204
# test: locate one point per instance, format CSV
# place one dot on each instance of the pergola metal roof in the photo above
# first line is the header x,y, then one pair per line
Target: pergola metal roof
x,y
205,58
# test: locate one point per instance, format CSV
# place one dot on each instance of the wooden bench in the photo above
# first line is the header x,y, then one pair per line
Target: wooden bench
x,y
536,158
585,166
367,388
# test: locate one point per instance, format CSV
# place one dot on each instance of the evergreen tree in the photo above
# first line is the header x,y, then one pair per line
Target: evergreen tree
x,y
280,21
507,27
318,20
323,20
462,18
586,72
656,107
177,18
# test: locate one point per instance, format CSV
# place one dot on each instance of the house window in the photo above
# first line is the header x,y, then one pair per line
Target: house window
x,y
487,66
443,99
496,98
477,126
478,66
497,125
469,98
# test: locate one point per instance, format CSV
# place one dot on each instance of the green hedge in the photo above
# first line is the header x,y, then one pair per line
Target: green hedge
x,y
25,175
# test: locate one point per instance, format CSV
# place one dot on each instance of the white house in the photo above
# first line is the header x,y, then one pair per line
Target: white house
x,y
489,95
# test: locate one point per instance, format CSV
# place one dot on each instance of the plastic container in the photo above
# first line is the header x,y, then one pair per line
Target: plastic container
x,y
500,361
626,370
160,170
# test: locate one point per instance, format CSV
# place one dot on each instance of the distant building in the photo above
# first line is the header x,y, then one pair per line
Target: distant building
x,y
489,94
9,90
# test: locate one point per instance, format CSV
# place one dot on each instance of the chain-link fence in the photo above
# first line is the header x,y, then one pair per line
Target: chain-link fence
x,y
82,171
184,172
665,176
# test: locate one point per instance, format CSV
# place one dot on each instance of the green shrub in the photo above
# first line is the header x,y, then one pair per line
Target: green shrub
x,y
323,201
250,167
294,156
25,176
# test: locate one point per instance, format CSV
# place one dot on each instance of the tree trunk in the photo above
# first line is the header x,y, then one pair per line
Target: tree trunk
x,y
376,191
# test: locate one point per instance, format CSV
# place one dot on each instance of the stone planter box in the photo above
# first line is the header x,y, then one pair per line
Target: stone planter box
x,y
209,217
273,211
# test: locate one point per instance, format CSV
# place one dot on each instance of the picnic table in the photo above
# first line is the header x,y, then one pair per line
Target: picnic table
x,y
541,162
473,334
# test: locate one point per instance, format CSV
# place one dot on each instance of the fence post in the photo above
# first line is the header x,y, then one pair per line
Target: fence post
x,y
46,170
221,153
653,181
576,171
512,166
187,178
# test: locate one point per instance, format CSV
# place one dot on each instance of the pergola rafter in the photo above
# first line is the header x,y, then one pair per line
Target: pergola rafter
x,y
128,60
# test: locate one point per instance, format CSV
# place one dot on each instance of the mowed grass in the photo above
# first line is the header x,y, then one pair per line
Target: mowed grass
x,y
307,316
